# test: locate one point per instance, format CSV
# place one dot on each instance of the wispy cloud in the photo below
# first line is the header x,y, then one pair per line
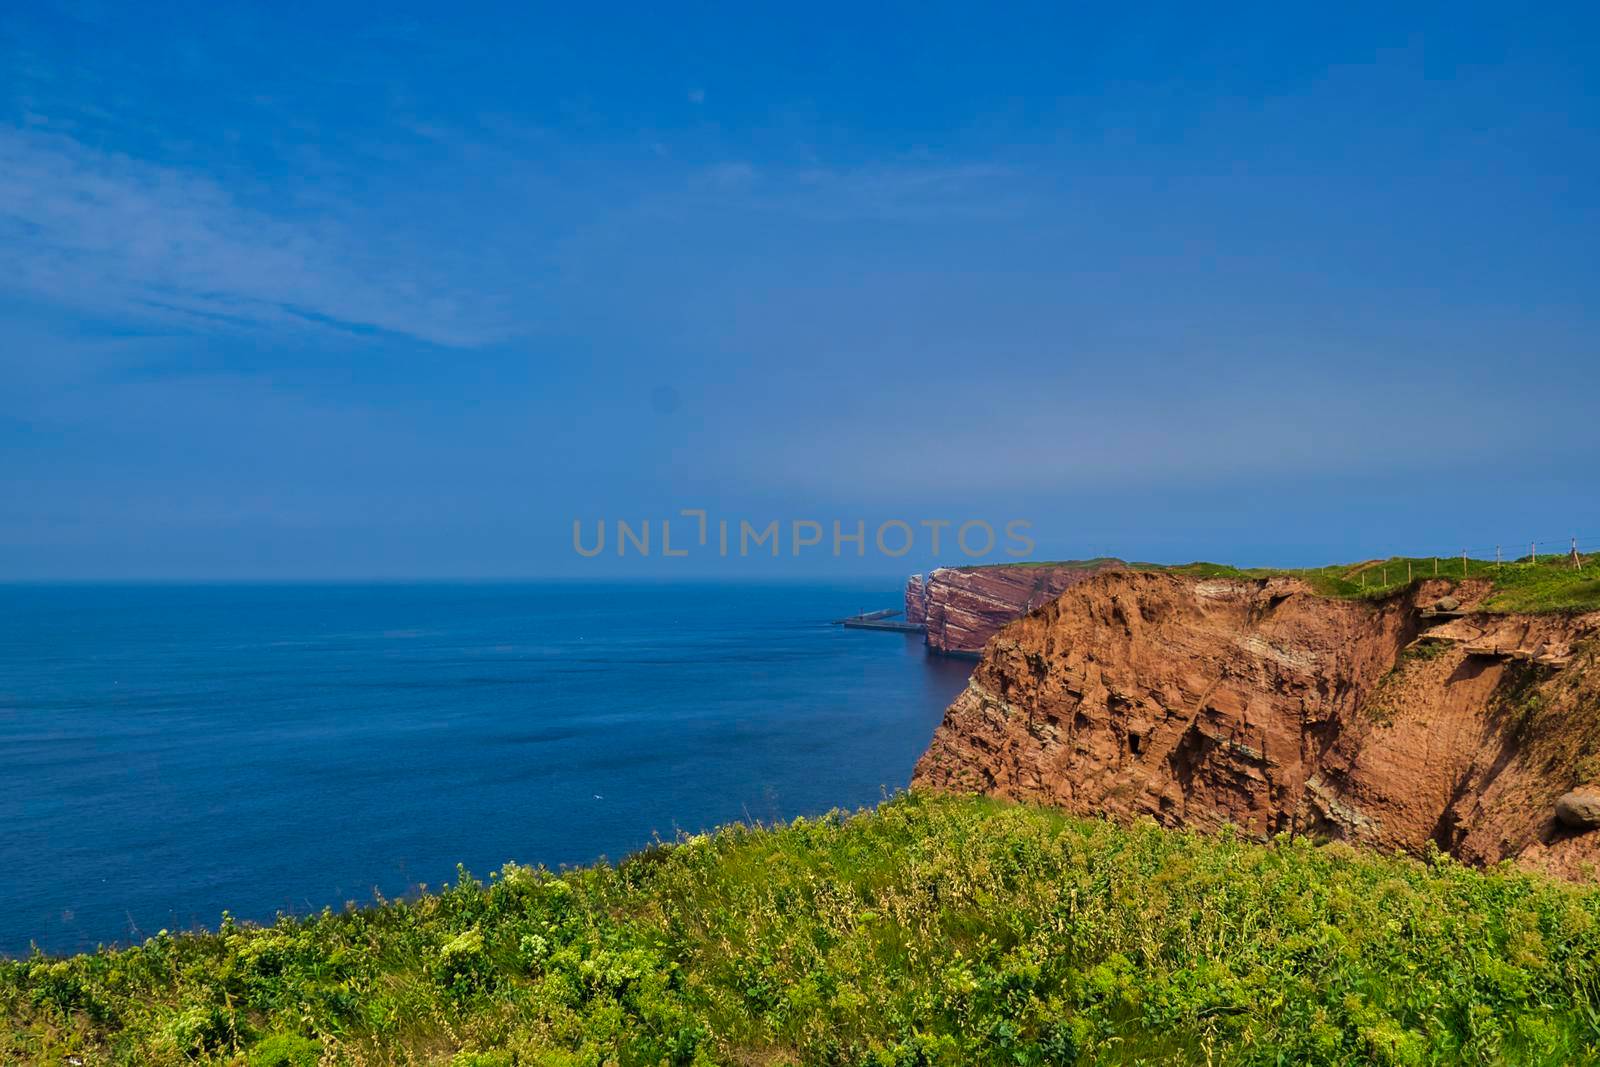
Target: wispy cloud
x,y
114,235
905,192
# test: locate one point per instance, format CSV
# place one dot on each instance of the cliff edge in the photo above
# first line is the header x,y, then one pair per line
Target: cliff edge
x,y
960,608
1202,702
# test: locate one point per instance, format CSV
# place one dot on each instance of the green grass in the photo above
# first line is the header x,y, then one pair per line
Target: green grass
x,y
933,931
1550,585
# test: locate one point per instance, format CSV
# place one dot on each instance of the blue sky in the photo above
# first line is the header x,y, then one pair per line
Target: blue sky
x,y
286,294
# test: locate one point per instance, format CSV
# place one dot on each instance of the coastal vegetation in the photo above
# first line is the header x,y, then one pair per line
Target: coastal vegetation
x,y
933,930
1550,583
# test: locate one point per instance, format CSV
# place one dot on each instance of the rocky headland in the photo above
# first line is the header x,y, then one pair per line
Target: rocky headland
x,y
1407,722
960,608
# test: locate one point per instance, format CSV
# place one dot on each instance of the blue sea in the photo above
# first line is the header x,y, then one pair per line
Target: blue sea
x,y
171,751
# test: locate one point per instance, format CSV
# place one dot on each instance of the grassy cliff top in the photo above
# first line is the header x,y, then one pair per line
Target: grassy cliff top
x,y
932,931
1550,585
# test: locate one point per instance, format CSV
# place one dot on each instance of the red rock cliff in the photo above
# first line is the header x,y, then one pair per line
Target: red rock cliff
x,y
1260,704
962,607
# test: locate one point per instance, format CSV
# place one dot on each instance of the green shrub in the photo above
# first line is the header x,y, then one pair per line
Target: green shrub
x,y
284,1050
483,1059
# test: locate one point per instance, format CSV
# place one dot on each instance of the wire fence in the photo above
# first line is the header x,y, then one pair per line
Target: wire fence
x,y
1476,561
1531,551
1538,546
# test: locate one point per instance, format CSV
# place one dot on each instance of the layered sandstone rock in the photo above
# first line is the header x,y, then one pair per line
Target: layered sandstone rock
x,y
962,607
1262,705
916,600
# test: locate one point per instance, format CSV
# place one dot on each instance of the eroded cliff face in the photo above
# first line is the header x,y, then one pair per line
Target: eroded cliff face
x,y
962,607
1263,705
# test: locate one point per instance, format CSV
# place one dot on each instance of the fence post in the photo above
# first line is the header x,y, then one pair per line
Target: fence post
x,y
1577,560
1533,552
1463,563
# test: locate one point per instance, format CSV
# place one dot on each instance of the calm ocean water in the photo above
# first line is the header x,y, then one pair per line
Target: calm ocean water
x,y
167,752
